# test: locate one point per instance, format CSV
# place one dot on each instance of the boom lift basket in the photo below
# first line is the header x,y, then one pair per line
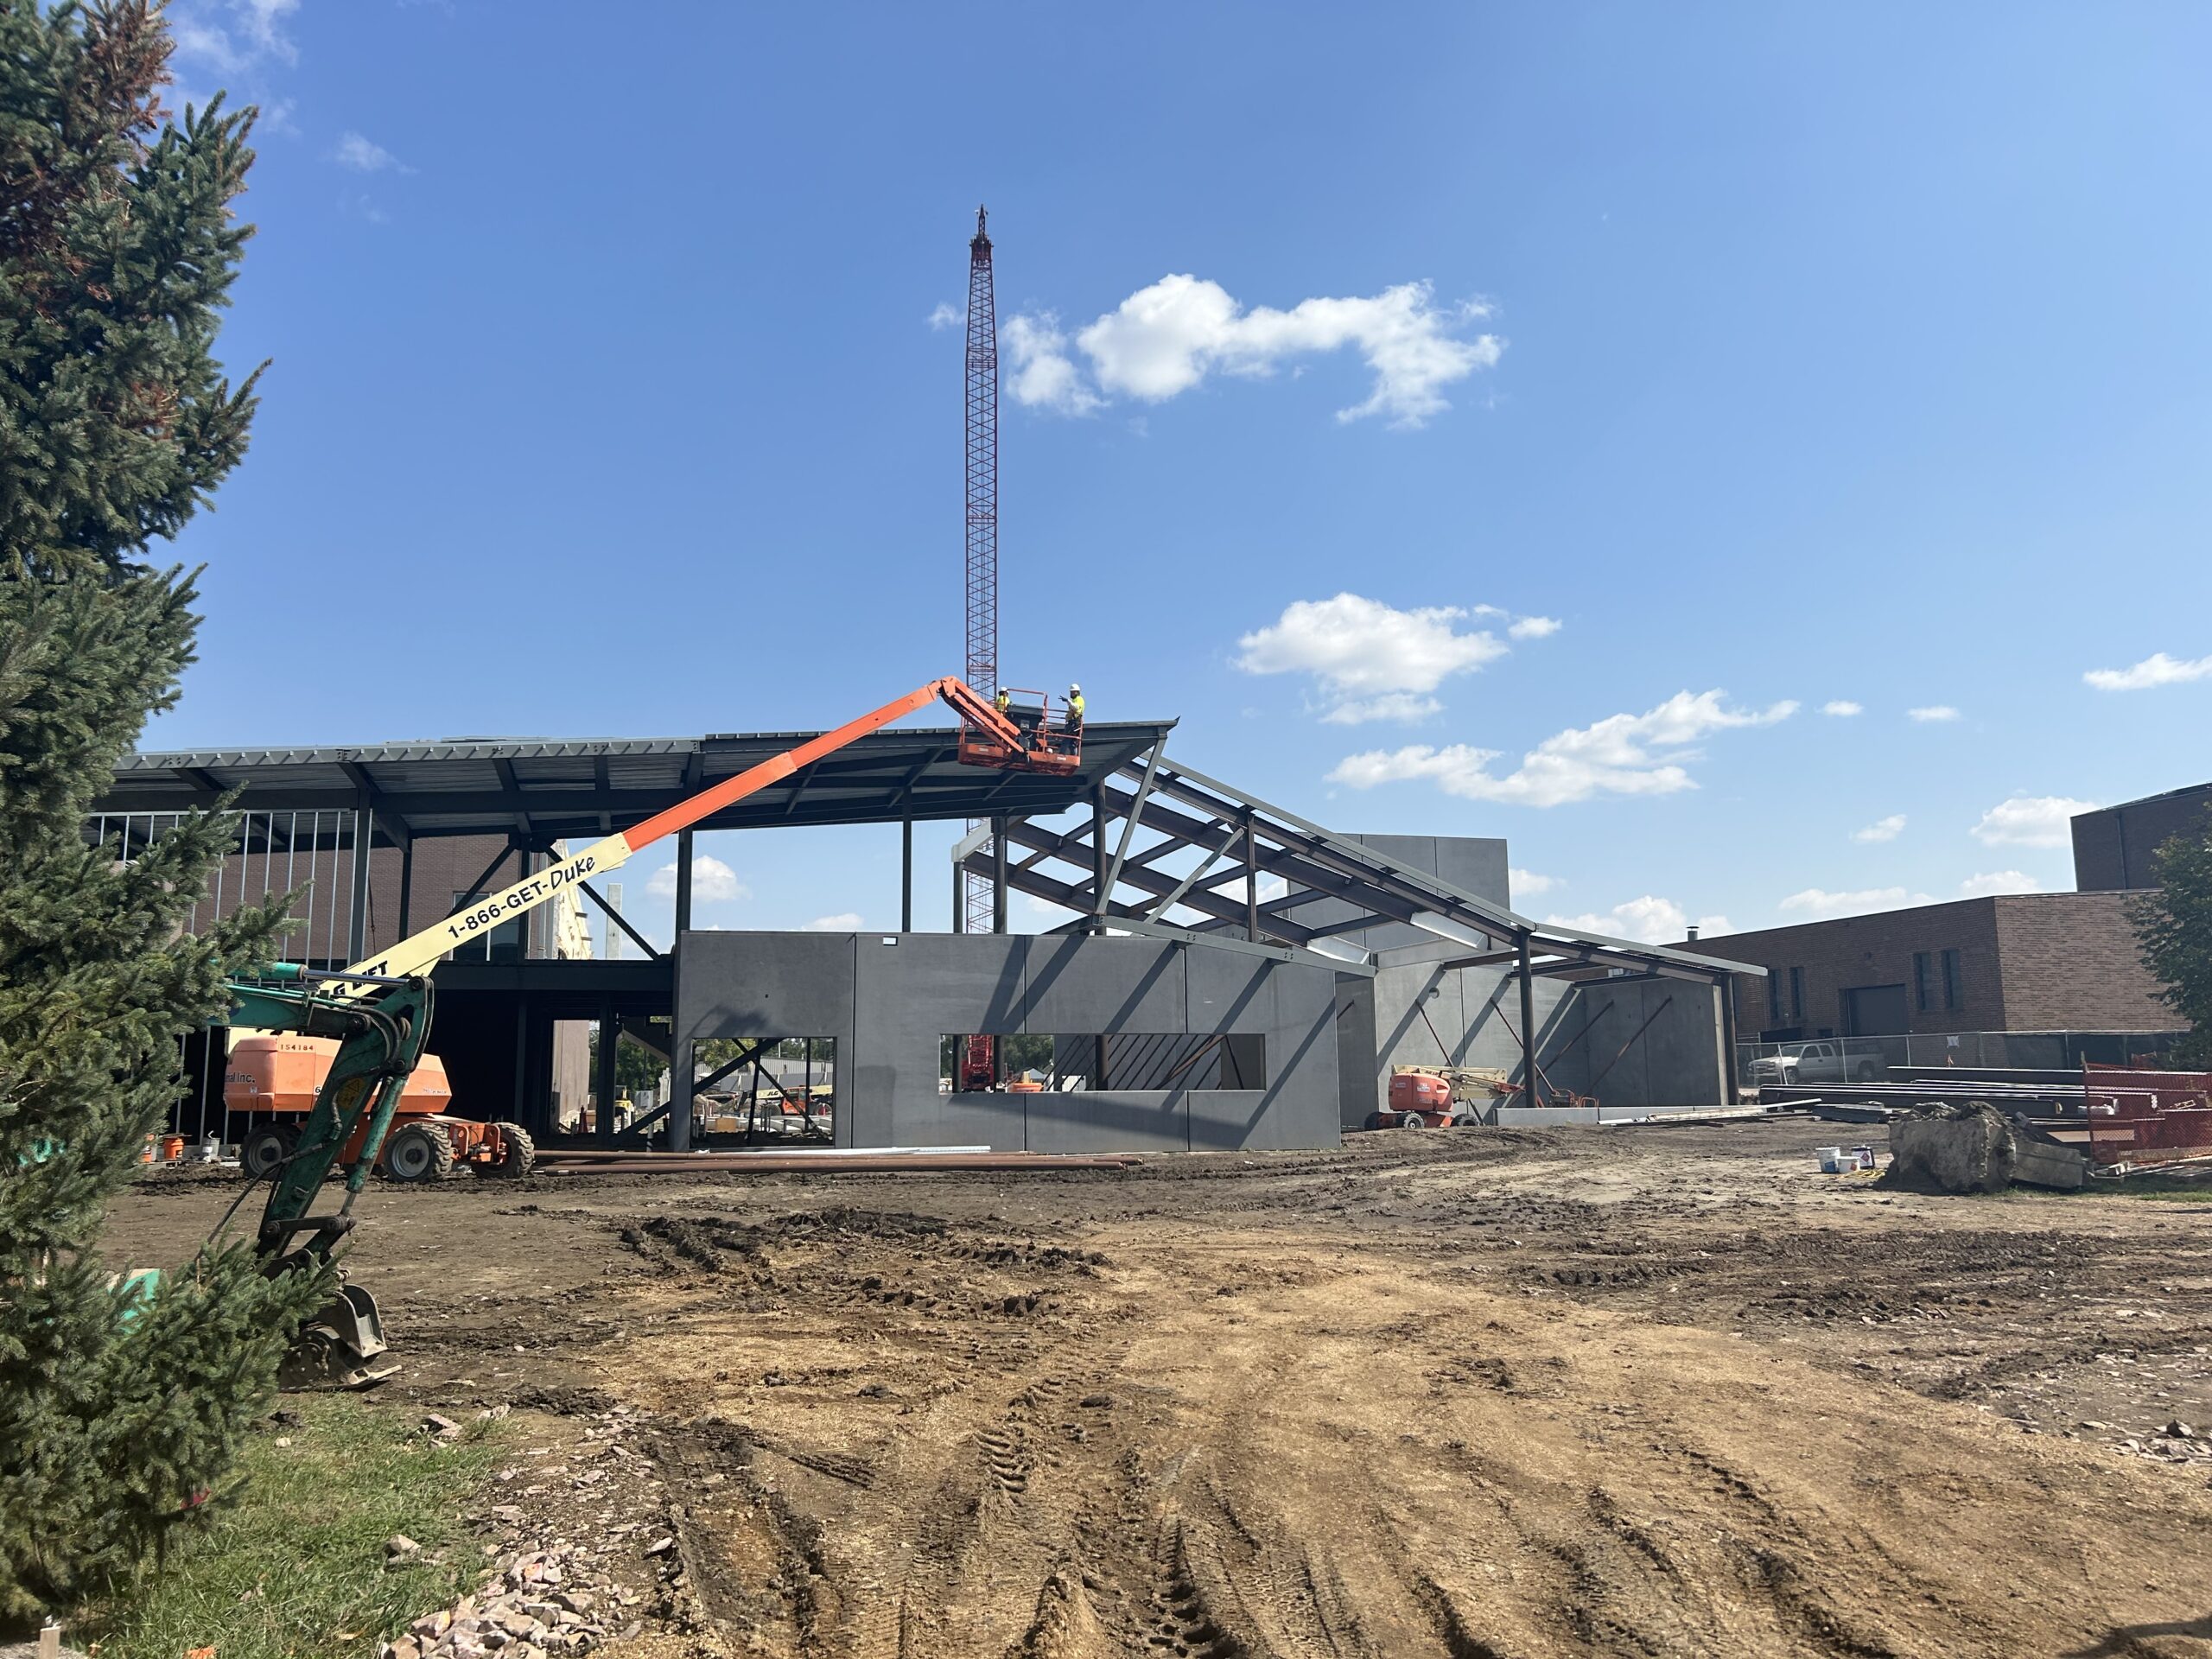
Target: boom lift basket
x,y
1037,744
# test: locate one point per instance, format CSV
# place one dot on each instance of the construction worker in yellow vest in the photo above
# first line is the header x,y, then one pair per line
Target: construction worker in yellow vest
x,y
1004,702
1075,709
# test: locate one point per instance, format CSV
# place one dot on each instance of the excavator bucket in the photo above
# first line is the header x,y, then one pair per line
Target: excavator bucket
x,y
340,1347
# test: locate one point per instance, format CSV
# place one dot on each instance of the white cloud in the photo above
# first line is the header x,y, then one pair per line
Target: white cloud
x,y
1976,886
1402,706
712,882
1820,902
261,18
1044,376
947,317
845,921
365,156
1651,919
1623,754
2156,669
1887,829
1527,884
1933,711
201,37
1843,707
1164,340
1373,661
2031,821
1534,627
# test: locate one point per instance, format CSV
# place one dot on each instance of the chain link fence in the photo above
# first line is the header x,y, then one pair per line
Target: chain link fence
x,y
1887,1059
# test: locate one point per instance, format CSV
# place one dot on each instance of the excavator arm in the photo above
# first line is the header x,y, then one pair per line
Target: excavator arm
x,y
381,1026
988,738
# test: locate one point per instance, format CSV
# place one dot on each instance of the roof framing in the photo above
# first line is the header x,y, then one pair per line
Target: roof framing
x,y
1236,838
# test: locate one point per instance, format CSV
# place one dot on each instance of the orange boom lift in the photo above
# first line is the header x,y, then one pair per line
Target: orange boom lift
x,y
276,1078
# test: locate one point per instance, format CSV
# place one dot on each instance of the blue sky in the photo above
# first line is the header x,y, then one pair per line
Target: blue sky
x,y
1783,358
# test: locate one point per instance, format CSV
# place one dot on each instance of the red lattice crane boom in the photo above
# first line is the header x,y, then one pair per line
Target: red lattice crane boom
x,y
982,563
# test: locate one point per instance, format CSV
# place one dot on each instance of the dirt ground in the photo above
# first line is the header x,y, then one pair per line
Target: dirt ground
x,y
1465,1393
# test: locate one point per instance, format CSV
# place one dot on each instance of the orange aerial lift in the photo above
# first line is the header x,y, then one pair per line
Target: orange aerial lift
x,y
278,1079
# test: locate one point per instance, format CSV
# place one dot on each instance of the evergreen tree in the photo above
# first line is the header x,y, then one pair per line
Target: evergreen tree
x,y
120,1408
2175,925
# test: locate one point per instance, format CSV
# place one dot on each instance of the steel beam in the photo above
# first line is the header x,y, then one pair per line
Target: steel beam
x,y
1129,825
620,921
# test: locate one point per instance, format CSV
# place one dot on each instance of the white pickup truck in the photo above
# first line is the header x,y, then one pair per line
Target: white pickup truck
x,y
1818,1061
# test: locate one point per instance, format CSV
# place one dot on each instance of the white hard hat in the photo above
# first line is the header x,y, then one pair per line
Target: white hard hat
x,y
1073,687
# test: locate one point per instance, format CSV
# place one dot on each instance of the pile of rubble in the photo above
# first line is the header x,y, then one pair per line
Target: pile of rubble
x,y
533,1605
546,1597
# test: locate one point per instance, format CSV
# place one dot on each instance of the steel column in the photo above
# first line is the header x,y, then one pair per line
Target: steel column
x,y
1530,1093
998,875
906,875
679,1067
406,883
1730,1091
1251,886
610,1034
1098,871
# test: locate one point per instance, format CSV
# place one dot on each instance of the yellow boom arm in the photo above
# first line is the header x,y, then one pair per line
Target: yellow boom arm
x,y
418,954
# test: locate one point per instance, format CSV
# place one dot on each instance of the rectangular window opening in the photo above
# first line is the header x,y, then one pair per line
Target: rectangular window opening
x,y
1954,985
1131,1062
1922,989
752,1091
1797,996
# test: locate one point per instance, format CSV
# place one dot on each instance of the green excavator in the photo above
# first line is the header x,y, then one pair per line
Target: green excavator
x,y
381,1024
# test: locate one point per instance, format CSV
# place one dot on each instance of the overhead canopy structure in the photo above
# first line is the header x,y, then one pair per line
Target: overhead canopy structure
x,y
540,791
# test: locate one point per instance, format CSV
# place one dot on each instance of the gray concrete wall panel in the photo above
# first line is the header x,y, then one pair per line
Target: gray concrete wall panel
x,y
1109,1122
1096,985
768,984
1355,1019
999,1121
1229,991
1676,1061
893,1005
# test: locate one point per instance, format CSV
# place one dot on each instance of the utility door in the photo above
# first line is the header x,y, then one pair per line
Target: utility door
x,y
1874,1011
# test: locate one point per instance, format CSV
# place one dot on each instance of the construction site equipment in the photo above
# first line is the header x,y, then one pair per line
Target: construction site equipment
x,y
987,739
377,1028
979,1065
1435,1097
979,559
273,1082
378,1016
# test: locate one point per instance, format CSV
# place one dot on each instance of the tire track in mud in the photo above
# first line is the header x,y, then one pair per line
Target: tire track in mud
x,y
1593,1576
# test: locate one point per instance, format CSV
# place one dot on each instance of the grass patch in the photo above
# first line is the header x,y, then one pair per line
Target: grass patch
x,y
295,1569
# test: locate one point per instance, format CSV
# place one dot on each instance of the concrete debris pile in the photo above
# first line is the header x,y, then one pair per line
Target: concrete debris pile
x,y
534,1603
1973,1147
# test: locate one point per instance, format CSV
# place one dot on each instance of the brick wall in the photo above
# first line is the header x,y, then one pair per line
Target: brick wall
x,y
2113,848
1867,950
2028,961
2070,963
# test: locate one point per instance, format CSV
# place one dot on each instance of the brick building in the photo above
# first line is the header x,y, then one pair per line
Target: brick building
x,y
2014,961
2113,846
